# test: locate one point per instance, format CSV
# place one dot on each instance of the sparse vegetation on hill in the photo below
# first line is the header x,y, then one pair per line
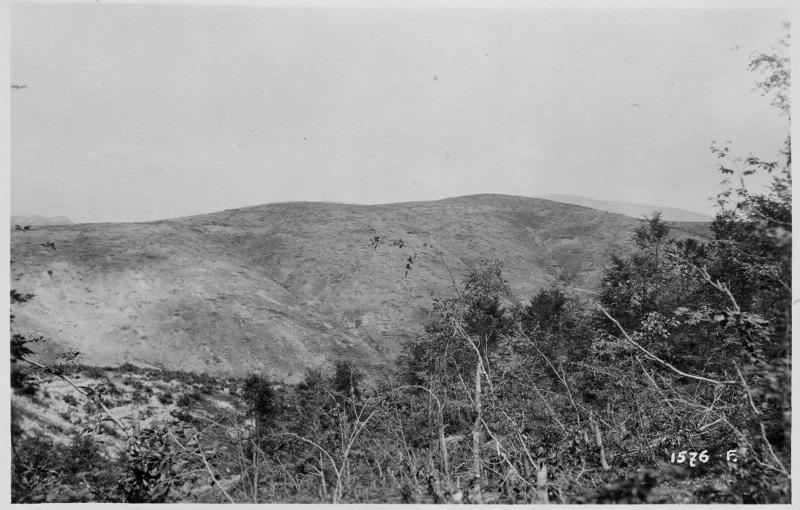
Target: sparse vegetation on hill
x,y
284,287
671,385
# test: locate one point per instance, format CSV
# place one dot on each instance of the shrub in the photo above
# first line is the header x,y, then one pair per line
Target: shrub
x,y
94,372
70,399
545,310
111,389
347,378
16,418
149,464
188,399
82,454
139,397
260,399
33,466
129,368
181,415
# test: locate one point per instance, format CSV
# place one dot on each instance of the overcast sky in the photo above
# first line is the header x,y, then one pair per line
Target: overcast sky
x,y
140,112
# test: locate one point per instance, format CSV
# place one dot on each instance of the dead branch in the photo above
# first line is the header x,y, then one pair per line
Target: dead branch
x,y
747,391
210,470
656,358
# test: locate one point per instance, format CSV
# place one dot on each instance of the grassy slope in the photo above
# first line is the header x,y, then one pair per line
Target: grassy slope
x,y
279,287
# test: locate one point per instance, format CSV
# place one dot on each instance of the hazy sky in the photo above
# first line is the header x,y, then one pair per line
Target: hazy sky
x,y
139,112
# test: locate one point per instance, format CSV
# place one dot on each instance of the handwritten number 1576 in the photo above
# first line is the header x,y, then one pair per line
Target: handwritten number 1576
x,y
693,457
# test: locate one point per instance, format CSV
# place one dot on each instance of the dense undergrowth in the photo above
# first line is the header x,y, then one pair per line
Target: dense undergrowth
x,y
673,385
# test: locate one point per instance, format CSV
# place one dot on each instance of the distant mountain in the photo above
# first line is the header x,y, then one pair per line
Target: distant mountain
x,y
628,208
281,287
39,221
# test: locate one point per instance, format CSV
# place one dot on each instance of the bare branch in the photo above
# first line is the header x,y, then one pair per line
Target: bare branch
x,y
747,391
209,469
656,358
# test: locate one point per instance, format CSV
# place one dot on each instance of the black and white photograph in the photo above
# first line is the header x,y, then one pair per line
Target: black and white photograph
x,y
399,252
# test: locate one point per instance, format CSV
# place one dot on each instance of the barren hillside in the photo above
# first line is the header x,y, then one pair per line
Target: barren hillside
x,y
277,288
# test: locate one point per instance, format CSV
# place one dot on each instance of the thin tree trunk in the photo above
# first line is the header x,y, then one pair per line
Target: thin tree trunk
x,y
255,478
322,477
598,438
445,456
541,485
477,435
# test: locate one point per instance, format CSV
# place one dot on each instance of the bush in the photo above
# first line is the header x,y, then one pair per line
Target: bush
x,y
111,389
188,399
33,466
347,378
43,470
260,399
82,454
150,468
70,399
139,397
94,372
130,368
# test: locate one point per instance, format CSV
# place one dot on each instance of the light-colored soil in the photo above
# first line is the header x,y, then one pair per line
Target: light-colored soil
x,y
59,411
